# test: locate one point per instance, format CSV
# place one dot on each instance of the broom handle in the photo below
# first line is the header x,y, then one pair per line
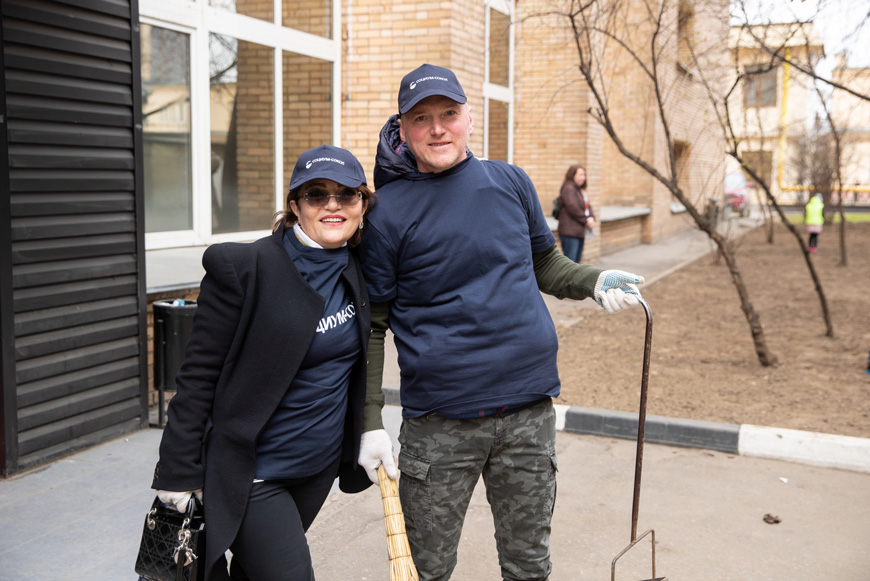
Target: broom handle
x,y
641,420
394,521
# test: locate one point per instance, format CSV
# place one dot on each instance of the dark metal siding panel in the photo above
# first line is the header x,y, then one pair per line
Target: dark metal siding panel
x,y
60,433
61,408
40,204
76,256
45,273
50,227
65,340
48,85
66,316
28,58
121,8
83,42
75,443
8,404
71,248
38,368
68,180
63,111
21,132
60,386
69,17
46,297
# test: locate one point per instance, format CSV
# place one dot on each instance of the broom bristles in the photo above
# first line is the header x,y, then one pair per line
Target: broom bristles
x,y
401,564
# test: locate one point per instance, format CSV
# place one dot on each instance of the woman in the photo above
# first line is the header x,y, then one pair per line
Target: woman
x,y
269,398
576,215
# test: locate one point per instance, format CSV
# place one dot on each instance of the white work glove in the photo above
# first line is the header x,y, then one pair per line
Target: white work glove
x,y
179,499
616,290
376,448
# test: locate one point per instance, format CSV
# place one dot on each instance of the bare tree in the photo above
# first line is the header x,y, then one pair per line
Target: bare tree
x,y
646,34
777,51
835,174
721,101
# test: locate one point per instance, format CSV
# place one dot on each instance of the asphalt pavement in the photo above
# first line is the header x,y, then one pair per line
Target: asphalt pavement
x,y
726,502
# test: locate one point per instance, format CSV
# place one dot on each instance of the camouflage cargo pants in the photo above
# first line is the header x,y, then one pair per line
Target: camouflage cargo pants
x,y
441,461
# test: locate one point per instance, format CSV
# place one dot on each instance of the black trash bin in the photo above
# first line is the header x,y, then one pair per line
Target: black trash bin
x,y
173,321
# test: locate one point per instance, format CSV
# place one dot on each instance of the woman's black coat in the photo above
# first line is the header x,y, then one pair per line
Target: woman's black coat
x,y
255,319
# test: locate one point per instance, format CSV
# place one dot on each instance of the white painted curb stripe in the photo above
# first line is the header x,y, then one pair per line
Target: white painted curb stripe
x,y
561,414
813,448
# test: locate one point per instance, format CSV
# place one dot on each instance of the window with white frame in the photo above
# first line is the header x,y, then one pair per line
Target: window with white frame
x,y
233,92
166,129
498,85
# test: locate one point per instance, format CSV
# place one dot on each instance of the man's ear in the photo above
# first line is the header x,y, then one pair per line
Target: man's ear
x,y
401,130
470,120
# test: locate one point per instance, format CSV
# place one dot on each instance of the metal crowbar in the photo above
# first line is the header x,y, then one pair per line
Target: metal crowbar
x,y
638,465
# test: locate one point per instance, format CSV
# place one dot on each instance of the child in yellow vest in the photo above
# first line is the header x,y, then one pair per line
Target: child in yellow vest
x,y
814,219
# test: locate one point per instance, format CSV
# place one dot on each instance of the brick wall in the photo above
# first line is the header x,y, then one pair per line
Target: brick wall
x,y
255,146
307,107
384,40
312,16
691,118
552,128
619,234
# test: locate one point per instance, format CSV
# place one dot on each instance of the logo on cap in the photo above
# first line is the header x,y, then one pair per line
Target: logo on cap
x,y
313,161
414,83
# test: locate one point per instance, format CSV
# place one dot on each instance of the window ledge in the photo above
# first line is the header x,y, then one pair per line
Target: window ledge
x,y
173,269
616,213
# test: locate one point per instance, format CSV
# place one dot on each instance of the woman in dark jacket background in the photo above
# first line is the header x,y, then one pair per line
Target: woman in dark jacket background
x,y
269,398
576,215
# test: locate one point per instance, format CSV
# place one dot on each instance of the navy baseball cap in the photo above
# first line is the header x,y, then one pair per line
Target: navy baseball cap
x,y
425,81
330,163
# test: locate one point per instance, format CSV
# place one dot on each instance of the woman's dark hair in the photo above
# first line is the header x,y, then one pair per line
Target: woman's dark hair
x,y
569,175
288,217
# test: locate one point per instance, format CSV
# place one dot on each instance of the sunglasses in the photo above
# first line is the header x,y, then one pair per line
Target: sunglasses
x,y
318,198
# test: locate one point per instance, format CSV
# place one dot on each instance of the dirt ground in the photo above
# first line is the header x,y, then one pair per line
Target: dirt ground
x,y
703,364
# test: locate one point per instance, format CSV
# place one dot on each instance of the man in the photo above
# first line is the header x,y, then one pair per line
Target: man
x,y
455,255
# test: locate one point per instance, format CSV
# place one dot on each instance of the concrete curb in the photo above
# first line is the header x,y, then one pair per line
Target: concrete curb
x,y
812,448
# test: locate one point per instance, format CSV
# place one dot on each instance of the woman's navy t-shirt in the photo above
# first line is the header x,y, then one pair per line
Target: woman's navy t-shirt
x,y
305,432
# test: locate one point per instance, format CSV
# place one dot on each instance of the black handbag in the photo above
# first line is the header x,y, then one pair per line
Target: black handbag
x,y
557,207
173,543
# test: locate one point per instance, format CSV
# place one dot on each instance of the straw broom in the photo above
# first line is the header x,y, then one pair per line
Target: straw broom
x,y
401,564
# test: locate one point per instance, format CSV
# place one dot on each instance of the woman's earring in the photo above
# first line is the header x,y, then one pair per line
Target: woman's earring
x,y
361,224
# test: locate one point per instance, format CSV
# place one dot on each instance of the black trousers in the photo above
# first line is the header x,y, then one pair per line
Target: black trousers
x,y
271,543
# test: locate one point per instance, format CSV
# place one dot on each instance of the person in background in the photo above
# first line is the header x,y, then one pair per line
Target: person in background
x,y
456,255
814,218
268,409
576,217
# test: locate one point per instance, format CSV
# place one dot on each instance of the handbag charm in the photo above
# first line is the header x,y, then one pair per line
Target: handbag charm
x,y
183,542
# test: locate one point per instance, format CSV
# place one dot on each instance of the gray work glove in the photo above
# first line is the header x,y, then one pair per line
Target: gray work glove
x,y
616,290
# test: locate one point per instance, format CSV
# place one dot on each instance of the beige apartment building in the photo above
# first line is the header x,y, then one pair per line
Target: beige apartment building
x,y
772,109
852,119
